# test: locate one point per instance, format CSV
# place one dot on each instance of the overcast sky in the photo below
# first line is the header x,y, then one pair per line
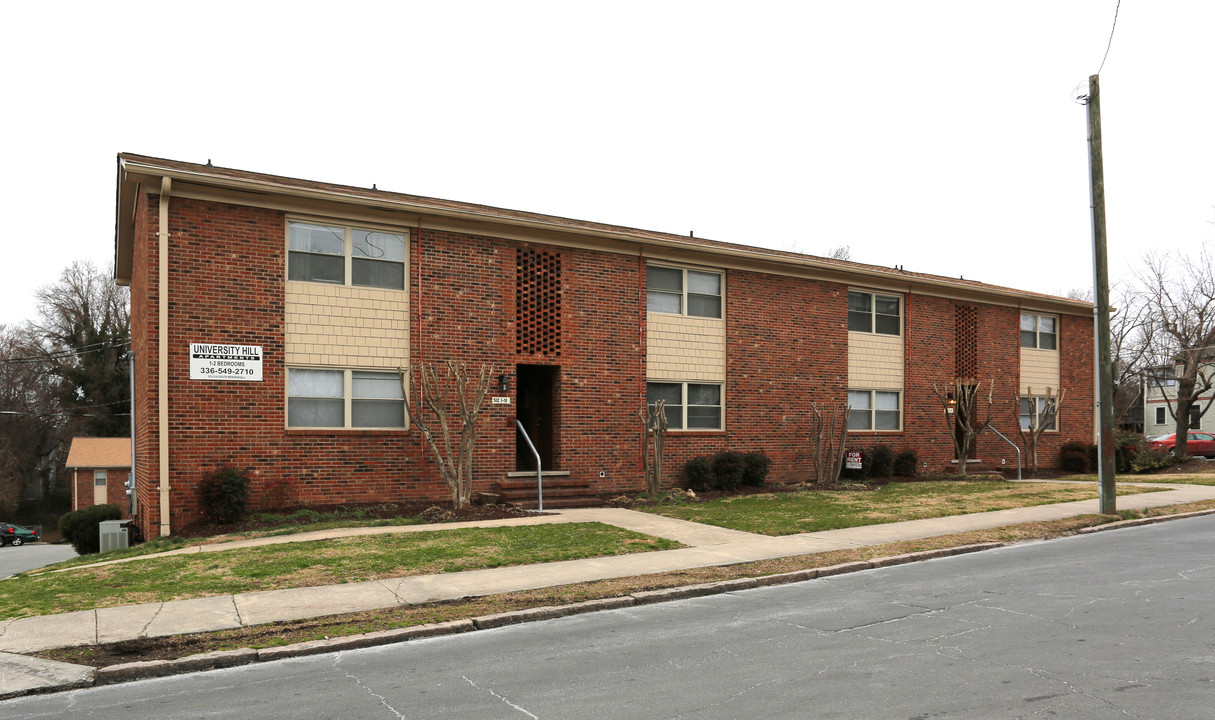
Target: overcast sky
x,y
941,136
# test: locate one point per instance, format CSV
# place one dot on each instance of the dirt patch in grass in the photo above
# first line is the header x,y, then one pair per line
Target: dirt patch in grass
x,y
355,623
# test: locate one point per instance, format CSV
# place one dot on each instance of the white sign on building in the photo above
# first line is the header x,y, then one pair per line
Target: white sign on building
x,y
225,362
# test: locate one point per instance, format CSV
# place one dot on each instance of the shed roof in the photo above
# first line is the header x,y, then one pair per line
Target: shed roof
x,y
100,452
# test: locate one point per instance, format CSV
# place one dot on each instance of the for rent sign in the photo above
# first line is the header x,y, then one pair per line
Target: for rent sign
x,y
225,362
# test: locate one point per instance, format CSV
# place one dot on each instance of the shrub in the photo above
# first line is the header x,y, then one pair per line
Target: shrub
x,y
1147,460
881,461
1074,461
224,494
906,463
728,467
755,468
699,473
1126,446
82,528
1074,456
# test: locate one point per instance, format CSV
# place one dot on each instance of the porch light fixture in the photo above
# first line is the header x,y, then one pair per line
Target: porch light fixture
x,y
503,383
950,404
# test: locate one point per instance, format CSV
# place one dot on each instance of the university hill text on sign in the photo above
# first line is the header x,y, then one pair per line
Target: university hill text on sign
x,y
211,361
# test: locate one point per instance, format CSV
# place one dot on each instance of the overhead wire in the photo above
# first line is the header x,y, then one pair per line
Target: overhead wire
x,y
69,352
1110,44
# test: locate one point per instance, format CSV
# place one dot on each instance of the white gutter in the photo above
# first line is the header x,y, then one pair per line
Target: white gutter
x,y
162,373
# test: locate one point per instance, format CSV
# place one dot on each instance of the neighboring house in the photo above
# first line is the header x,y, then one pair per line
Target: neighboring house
x,y
270,316
1160,402
100,469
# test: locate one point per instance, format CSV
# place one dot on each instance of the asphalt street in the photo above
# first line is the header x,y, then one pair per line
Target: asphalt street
x,y
34,555
1114,624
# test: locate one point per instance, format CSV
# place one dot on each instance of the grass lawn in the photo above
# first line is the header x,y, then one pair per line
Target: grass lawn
x,y
799,512
322,562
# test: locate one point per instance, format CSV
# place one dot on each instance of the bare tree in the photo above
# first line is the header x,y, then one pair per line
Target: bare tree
x,y
1043,415
843,252
828,435
449,402
1181,308
962,401
654,426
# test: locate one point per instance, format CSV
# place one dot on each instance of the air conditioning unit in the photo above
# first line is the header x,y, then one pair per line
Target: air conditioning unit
x,y
114,535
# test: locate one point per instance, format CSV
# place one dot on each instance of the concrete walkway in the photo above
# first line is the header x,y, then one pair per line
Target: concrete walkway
x,y
707,546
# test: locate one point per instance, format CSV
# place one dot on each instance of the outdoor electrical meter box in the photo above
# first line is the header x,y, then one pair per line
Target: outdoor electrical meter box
x,y
114,534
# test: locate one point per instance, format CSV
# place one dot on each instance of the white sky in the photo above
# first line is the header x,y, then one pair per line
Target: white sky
x,y
942,136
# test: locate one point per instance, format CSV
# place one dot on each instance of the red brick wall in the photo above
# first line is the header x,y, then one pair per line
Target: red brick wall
x,y
116,491
786,340
786,347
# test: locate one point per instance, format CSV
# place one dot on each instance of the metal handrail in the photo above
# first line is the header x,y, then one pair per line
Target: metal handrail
x,y
1010,442
539,473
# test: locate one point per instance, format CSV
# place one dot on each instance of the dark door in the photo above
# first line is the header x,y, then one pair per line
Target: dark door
x,y
537,400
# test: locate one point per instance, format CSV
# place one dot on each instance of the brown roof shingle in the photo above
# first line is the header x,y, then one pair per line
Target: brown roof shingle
x,y
100,452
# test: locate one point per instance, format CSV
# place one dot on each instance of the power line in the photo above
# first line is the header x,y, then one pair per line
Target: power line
x,y
70,411
69,352
1109,44
61,414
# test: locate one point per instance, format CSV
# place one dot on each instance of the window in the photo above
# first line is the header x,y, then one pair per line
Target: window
x,y
1034,411
1160,416
99,478
873,313
319,253
1195,417
680,291
1162,377
326,398
874,410
1038,331
689,406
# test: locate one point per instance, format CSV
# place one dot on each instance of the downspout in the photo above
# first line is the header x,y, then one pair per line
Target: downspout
x,y
162,374
132,501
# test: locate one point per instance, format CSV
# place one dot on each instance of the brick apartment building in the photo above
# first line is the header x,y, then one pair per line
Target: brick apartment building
x,y
270,316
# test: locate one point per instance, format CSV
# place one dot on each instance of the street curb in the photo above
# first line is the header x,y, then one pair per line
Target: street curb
x,y
1142,521
148,669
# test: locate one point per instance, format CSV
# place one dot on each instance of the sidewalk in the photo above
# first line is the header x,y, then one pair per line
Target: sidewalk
x,y
707,546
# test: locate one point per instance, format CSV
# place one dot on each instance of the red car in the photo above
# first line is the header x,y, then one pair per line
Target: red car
x,y
1196,443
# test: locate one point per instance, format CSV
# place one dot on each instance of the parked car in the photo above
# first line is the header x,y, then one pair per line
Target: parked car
x,y
1196,443
16,535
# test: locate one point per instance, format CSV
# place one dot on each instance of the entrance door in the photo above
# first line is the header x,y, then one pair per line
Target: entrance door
x,y
537,401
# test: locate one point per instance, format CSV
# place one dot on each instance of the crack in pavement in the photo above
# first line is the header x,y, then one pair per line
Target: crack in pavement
x,y
499,697
393,591
143,631
337,657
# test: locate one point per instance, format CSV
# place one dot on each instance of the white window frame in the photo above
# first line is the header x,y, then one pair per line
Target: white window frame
x,y
683,404
348,401
873,314
349,257
1162,415
684,292
1037,331
872,410
1038,406
100,477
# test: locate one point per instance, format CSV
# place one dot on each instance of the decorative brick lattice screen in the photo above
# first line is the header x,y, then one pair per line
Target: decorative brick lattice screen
x,y
966,363
537,303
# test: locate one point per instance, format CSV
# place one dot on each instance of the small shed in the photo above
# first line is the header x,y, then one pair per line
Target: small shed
x,y
100,469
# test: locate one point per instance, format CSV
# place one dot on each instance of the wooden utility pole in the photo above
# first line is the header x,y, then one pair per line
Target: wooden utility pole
x,y
1101,289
